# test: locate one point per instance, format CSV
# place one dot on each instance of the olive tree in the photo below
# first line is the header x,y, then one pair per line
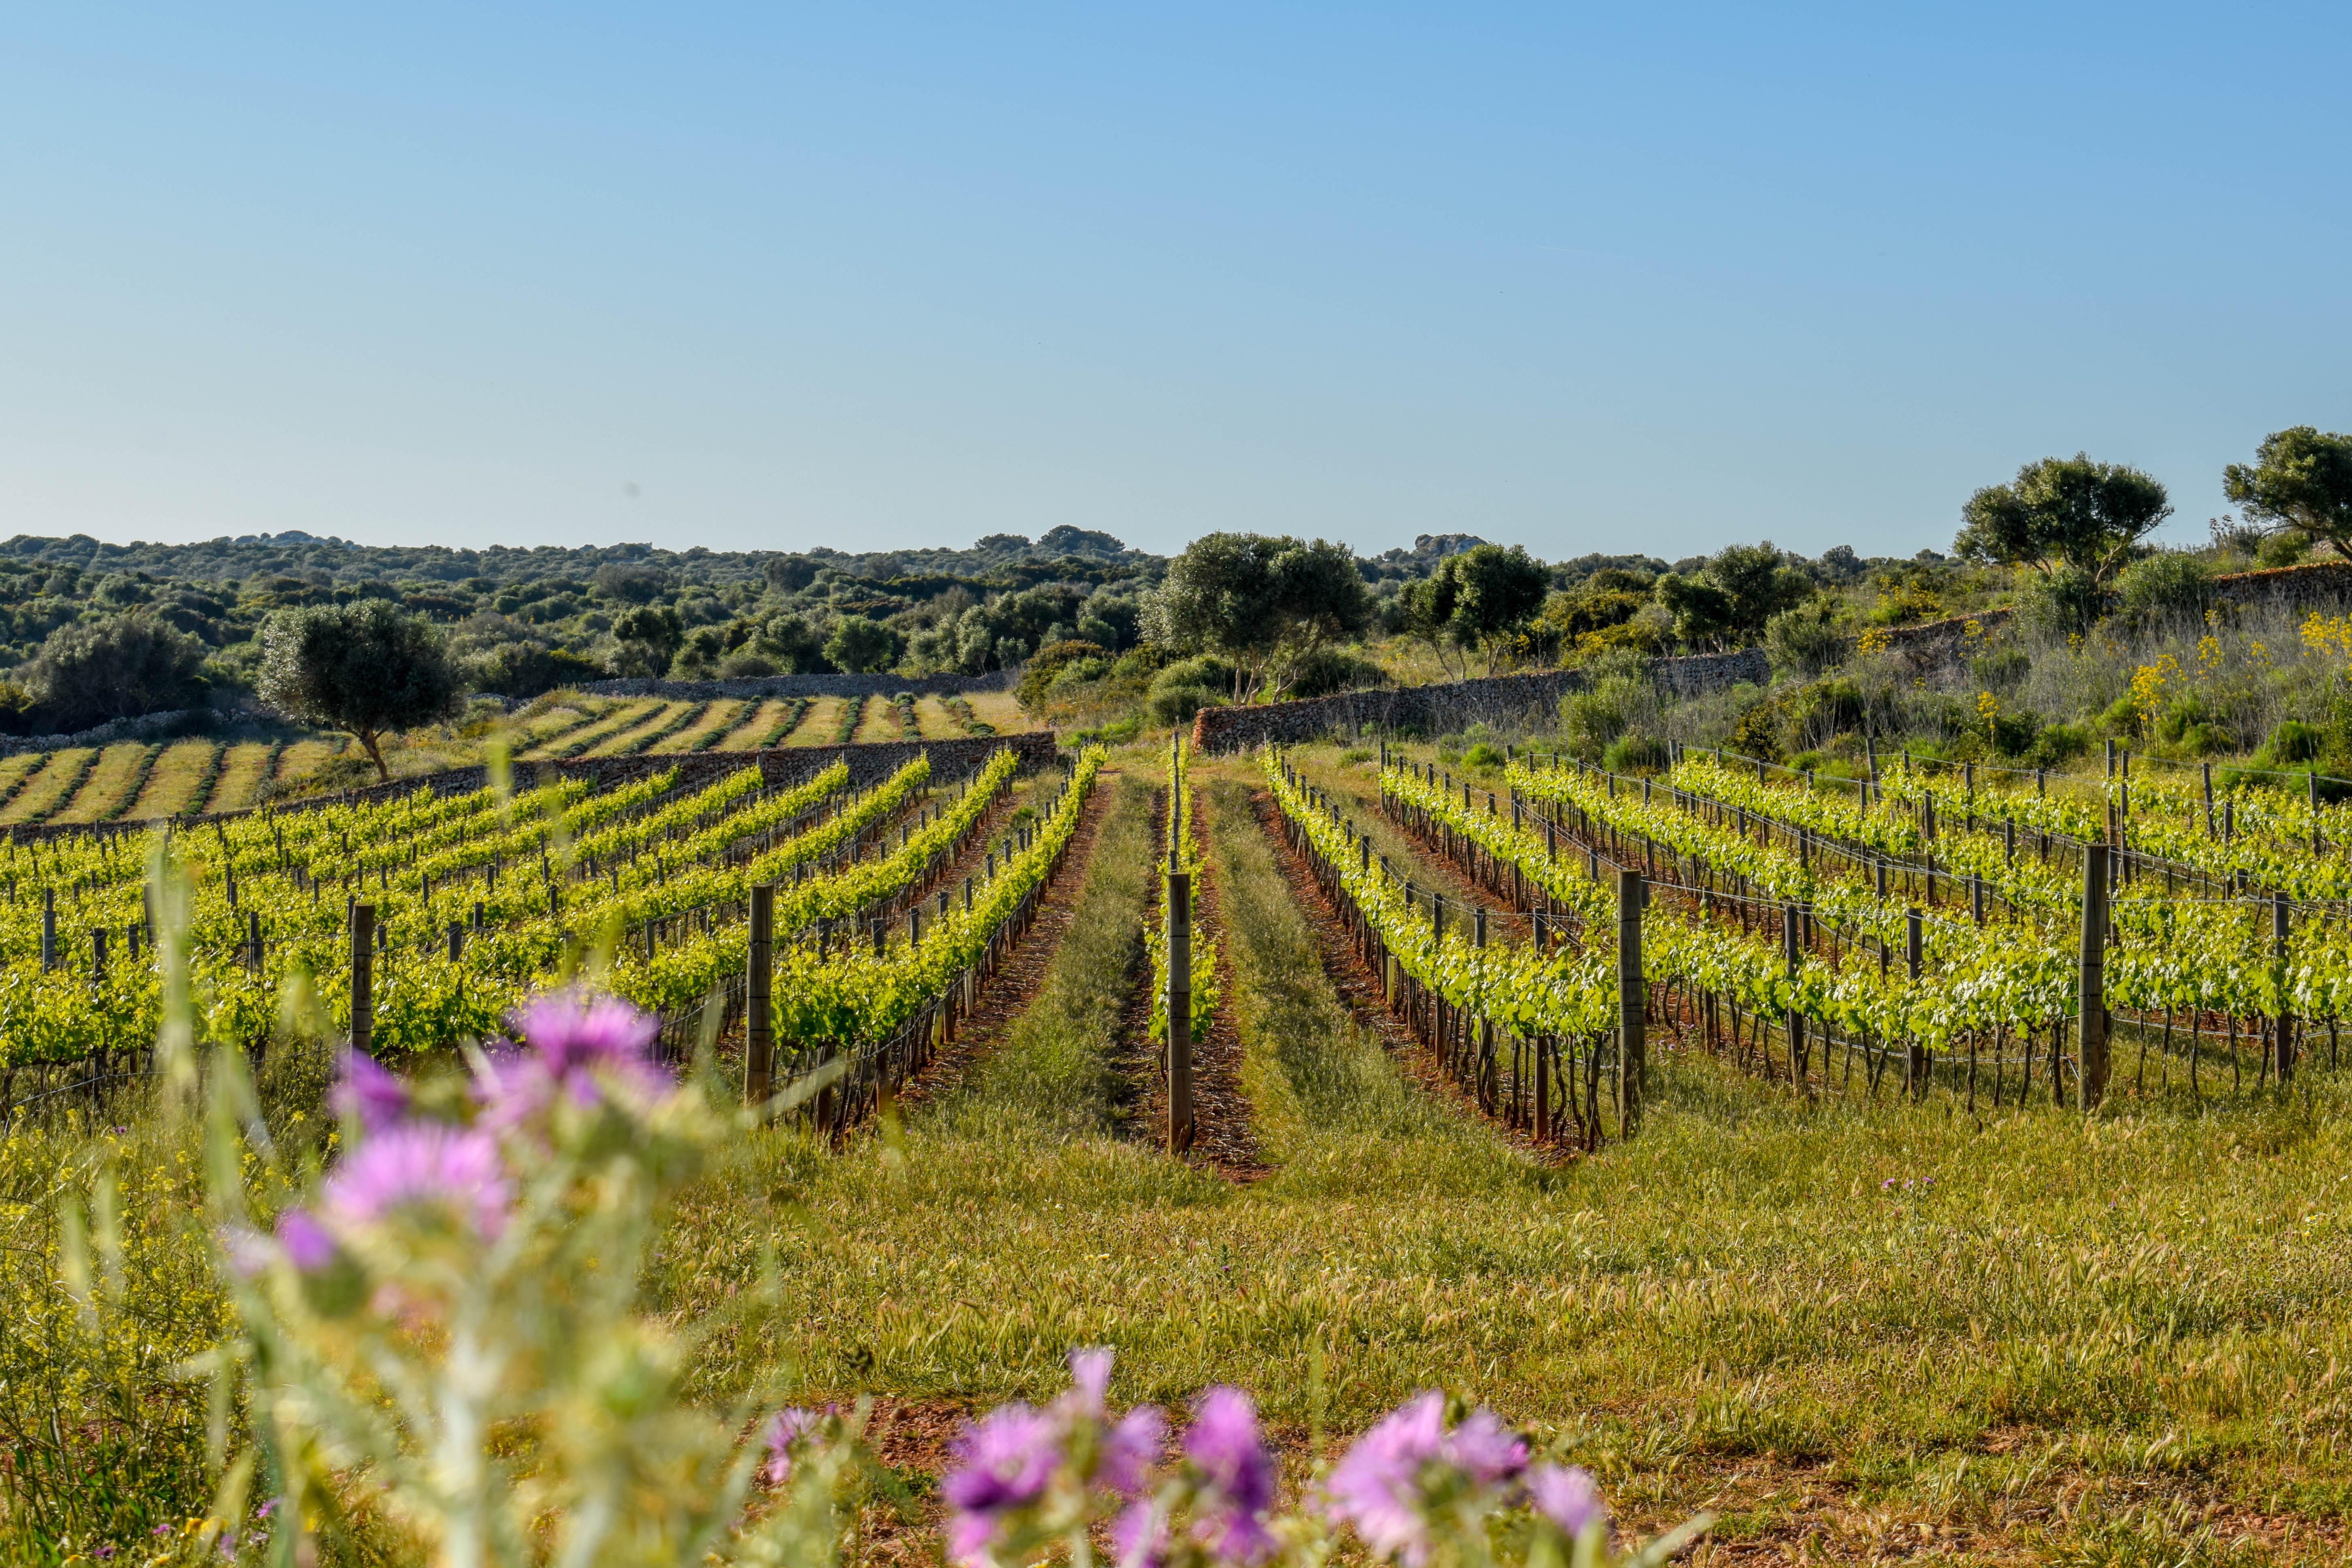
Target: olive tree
x,y
1265,603
2302,480
2063,515
1480,599
368,667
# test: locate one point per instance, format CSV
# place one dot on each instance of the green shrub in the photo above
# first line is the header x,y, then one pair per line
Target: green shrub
x,y
1331,669
2057,745
2167,585
1636,753
1482,756
1178,704
2002,671
1758,732
1807,640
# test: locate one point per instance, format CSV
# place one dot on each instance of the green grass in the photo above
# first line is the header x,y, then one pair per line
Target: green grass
x,y
2142,1317
2123,1340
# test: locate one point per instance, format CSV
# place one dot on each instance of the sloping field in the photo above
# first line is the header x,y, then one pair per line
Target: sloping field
x,y
110,785
617,720
761,725
243,771
181,777
51,786
820,726
1002,710
650,723
706,733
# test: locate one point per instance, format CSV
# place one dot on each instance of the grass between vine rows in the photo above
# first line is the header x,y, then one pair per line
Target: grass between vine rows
x,y
2121,1342
2058,1340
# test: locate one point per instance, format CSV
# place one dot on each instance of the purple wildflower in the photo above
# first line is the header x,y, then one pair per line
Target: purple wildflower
x,y
307,1246
249,1251
267,1509
102,1550
1376,1485
1128,1449
1224,1446
786,1427
1007,1458
1090,1380
572,1039
369,1094
1485,1449
161,1530
1138,1536
421,1162
1566,1496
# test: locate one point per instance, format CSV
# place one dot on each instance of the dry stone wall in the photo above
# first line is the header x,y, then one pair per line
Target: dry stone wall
x,y
806,686
1452,705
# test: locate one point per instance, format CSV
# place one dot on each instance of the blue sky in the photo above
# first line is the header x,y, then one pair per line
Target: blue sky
x,y
1631,277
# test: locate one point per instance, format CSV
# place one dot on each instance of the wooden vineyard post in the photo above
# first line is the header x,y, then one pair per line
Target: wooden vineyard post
x,y
362,976
1915,1061
759,1022
48,929
1793,954
1179,1003
1631,1044
2091,1030
2282,1030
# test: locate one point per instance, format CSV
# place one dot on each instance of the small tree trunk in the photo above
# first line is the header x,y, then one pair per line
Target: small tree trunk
x,y
375,754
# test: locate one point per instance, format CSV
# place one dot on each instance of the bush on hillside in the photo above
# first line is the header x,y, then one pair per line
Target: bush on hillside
x,y
117,668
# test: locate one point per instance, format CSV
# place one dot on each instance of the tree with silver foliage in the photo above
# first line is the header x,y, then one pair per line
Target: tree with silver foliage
x,y
1268,604
368,667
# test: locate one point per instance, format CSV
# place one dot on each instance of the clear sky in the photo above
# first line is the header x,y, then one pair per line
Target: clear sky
x,y
1614,278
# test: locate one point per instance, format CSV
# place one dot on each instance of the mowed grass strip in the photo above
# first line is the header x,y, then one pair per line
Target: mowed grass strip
x,y
104,781
763,724
707,732
653,724
15,772
2029,1336
821,723
935,721
877,719
249,763
619,719
1002,710
172,785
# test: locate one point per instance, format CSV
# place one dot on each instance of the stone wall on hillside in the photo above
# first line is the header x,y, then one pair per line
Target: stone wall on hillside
x,y
806,686
781,765
146,727
1450,705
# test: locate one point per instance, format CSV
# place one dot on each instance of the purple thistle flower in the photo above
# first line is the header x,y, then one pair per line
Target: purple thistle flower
x,y
1225,1446
1128,1449
307,1246
572,1039
1138,1536
1006,1461
1376,1485
1485,1449
368,1093
421,1162
786,1427
1089,1380
1566,1496
265,1509
102,1550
